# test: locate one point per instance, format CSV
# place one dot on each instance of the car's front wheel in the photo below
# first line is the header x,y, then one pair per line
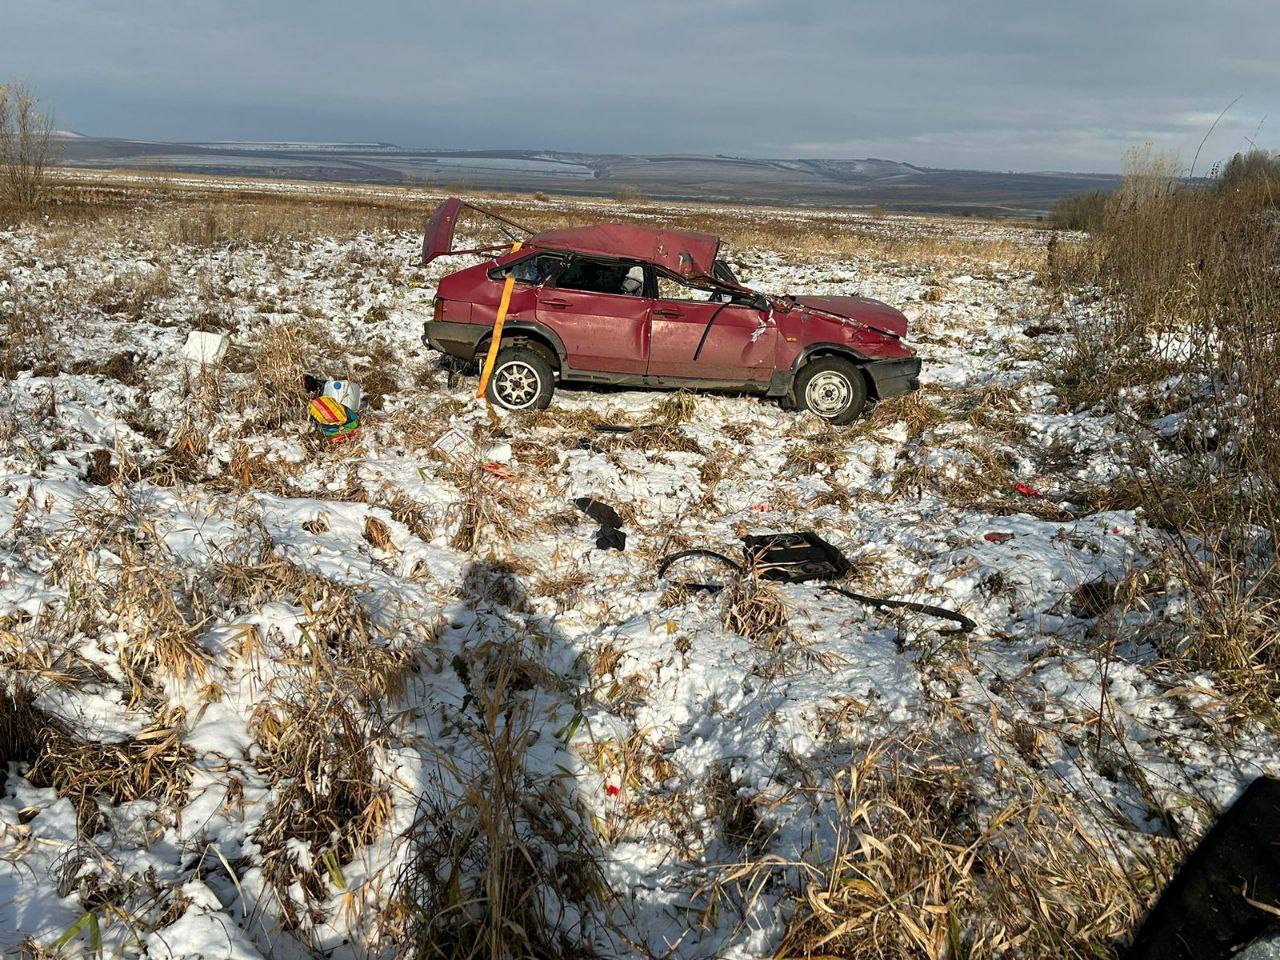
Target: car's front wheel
x,y
833,388
522,380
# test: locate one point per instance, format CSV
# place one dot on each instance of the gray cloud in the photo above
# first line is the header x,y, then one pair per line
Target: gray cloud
x,y
986,83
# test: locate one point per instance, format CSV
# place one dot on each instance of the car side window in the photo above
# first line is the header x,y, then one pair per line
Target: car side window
x,y
624,277
531,270
669,288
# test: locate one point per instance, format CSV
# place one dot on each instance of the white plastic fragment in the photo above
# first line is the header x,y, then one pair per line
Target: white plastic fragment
x,y
499,453
204,347
349,394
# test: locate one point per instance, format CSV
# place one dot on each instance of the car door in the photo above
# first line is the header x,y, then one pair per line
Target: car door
x,y
694,334
601,313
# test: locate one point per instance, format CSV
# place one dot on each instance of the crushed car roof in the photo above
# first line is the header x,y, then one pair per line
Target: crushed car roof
x,y
683,252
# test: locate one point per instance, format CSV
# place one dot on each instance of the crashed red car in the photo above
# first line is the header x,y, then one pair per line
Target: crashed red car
x,y
649,307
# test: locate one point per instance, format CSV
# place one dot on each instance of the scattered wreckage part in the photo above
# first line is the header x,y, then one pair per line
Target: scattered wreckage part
x,y
601,513
611,538
501,471
624,428
794,557
1224,896
809,541
347,393
995,537
495,341
965,625
451,441
350,395
205,347
667,562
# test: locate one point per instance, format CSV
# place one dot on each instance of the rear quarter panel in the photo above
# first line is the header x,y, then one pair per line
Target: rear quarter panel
x,y
471,297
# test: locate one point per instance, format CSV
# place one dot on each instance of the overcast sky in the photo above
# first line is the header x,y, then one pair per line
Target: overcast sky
x,y
991,84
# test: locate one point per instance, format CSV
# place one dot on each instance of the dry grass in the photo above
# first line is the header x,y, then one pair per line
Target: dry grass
x,y
920,867
502,863
120,574
282,355
491,510
129,294
154,765
756,609
219,217
319,749
1192,275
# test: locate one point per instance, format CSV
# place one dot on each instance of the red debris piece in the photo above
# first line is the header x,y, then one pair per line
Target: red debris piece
x,y
761,507
612,790
1027,491
997,537
500,470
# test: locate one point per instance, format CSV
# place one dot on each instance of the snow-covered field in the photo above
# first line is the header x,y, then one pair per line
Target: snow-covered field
x,y
261,691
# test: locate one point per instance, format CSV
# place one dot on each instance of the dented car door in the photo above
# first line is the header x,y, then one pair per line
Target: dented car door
x,y
699,334
601,313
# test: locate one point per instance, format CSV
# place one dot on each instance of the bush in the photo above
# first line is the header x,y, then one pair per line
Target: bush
x,y
1256,173
26,146
1084,211
1194,336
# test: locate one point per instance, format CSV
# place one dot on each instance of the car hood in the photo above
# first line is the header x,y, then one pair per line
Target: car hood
x,y
873,313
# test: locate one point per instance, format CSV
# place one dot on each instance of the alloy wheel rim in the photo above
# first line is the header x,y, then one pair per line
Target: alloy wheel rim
x,y
828,393
516,385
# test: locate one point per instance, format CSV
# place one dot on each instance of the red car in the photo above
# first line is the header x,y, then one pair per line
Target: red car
x,y
648,307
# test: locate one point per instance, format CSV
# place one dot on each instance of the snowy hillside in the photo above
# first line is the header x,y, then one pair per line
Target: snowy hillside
x,y
264,696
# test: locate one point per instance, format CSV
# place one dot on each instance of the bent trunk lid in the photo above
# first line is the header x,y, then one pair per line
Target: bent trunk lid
x,y
438,239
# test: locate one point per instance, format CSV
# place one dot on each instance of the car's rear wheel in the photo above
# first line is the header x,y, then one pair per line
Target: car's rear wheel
x,y
522,380
833,388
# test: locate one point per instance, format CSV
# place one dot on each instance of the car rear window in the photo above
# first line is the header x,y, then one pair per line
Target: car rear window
x,y
532,270
603,276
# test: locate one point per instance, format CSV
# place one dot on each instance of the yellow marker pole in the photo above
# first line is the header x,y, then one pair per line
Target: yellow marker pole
x,y
487,371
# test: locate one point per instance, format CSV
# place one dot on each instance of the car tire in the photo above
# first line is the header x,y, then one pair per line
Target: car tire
x,y
833,388
522,379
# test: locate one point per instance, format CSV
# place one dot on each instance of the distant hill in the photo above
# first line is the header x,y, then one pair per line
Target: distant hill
x,y
847,183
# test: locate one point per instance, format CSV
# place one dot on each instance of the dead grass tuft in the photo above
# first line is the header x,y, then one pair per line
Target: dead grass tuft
x,y
491,509
756,610
378,534
319,750
920,869
501,862
676,408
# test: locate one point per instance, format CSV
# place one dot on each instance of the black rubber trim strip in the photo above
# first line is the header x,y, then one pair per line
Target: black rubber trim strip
x,y
965,624
707,329
667,561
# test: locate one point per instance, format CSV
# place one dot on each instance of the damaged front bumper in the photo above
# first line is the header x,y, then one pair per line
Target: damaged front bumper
x,y
893,378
